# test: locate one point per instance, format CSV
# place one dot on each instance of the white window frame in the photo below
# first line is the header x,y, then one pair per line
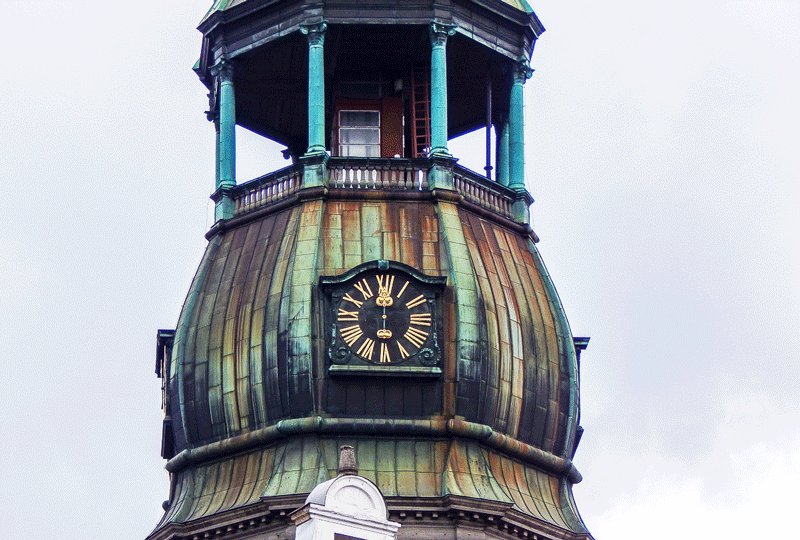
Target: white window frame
x,y
341,127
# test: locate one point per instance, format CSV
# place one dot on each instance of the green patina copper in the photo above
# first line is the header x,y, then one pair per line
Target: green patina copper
x,y
316,86
439,34
469,338
255,414
516,126
222,5
400,467
187,319
227,126
566,346
502,153
299,301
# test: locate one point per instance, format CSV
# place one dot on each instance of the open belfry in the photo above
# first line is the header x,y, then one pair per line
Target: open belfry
x,y
374,294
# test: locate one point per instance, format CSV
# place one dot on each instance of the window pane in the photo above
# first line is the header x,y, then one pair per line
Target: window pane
x,y
360,150
359,119
360,136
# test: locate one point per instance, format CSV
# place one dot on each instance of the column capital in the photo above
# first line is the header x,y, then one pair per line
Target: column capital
x,y
222,70
522,70
440,32
315,33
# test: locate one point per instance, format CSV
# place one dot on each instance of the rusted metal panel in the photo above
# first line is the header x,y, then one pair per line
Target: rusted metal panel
x,y
250,355
523,373
359,231
276,231
468,331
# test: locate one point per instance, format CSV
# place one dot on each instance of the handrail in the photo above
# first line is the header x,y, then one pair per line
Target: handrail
x,y
267,189
479,190
373,174
387,174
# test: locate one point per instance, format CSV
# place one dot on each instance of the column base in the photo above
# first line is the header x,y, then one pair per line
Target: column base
x,y
520,208
440,173
224,205
315,170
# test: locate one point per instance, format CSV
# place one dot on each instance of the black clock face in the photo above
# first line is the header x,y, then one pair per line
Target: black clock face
x,y
384,318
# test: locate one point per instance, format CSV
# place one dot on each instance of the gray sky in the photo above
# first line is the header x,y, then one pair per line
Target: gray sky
x,y
663,155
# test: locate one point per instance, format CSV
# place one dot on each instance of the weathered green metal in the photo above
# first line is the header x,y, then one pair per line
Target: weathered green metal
x,y
216,153
316,86
440,174
389,427
568,348
257,410
258,296
315,172
227,126
439,33
222,5
400,466
225,137
502,152
516,126
224,205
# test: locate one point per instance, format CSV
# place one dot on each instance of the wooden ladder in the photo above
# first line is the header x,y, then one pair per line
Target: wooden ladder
x,y
420,110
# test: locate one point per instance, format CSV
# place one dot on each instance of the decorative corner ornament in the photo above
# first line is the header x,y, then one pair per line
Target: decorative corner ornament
x,y
440,32
222,69
523,70
315,32
382,318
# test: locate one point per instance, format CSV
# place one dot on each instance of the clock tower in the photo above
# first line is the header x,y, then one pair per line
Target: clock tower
x,y
374,293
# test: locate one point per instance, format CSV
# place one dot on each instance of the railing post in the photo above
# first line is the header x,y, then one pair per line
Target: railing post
x,y
315,159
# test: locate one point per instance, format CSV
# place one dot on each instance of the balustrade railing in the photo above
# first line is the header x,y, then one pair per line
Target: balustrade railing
x,y
267,189
378,173
482,192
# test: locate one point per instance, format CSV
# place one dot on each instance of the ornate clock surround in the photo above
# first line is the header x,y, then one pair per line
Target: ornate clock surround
x,y
382,318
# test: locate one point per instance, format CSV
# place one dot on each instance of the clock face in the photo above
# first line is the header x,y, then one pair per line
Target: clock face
x,y
383,318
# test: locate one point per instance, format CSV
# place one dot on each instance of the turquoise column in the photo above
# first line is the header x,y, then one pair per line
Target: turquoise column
x,y
314,161
316,86
439,34
516,126
226,141
502,152
227,127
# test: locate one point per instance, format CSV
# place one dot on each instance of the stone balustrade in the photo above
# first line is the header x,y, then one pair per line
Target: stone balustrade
x,y
373,174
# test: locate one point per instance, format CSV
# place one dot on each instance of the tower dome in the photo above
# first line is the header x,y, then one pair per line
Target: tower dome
x,y
374,293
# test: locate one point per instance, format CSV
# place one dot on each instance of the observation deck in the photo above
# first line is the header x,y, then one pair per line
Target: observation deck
x,y
377,178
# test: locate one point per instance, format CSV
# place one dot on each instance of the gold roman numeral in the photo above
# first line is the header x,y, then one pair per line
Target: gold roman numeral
x,y
420,319
415,302
403,351
385,353
364,289
402,290
416,336
353,300
351,334
385,283
366,349
348,316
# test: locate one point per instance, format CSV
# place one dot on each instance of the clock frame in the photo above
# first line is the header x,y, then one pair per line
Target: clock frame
x,y
382,318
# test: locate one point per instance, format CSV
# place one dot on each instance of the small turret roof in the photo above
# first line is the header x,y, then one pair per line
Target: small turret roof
x,y
222,5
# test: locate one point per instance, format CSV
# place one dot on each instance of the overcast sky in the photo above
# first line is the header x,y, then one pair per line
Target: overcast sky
x,y
663,155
